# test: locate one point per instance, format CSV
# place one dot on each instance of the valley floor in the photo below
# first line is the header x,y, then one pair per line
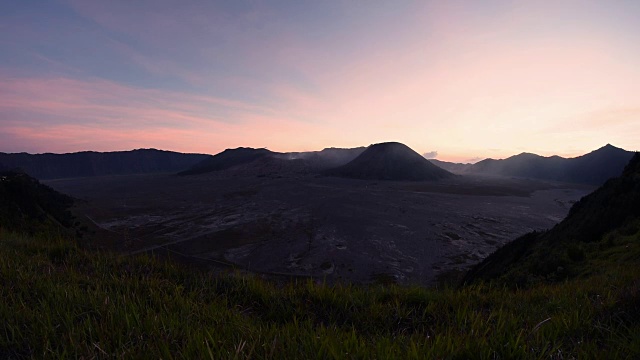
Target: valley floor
x,y
339,230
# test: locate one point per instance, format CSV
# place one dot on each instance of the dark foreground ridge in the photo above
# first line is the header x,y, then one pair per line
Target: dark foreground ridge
x,y
91,163
578,244
390,161
28,206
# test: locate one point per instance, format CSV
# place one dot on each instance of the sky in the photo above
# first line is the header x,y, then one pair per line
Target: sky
x,y
457,80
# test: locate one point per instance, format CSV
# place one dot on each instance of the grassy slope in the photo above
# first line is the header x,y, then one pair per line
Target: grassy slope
x,y
575,246
63,301
60,300
28,206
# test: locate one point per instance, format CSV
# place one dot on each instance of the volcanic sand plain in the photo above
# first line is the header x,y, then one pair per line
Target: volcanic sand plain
x,y
331,229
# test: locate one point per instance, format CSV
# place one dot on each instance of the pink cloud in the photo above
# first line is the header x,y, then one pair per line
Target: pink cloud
x,y
451,77
102,102
70,138
62,114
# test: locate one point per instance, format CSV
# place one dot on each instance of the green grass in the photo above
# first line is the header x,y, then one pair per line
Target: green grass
x,y
61,301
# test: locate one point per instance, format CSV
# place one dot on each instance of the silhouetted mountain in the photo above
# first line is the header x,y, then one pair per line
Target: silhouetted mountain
x,y
600,165
26,205
569,248
457,168
90,163
390,161
227,159
326,158
262,162
271,166
592,168
523,165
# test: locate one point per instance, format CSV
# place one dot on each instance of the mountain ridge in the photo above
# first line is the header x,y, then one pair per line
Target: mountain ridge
x,y
227,159
47,166
563,251
592,168
247,160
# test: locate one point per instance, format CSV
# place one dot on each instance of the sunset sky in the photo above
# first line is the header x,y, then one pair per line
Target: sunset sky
x,y
465,79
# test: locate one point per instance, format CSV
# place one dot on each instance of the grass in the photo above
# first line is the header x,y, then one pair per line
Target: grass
x,y
61,301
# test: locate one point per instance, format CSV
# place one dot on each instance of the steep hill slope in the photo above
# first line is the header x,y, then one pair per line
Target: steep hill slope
x,y
28,206
601,230
592,168
90,163
390,161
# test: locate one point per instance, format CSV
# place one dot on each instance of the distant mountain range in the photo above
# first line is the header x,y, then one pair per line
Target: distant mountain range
x,y
326,158
260,160
598,230
456,168
593,168
385,161
90,163
390,161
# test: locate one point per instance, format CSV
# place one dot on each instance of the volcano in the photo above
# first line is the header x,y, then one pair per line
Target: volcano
x,y
390,161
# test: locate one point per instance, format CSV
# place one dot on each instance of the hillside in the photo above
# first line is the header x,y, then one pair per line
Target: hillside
x,y
28,206
600,229
593,168
227,159
90,163
260,162
62,301
390,161
326,158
